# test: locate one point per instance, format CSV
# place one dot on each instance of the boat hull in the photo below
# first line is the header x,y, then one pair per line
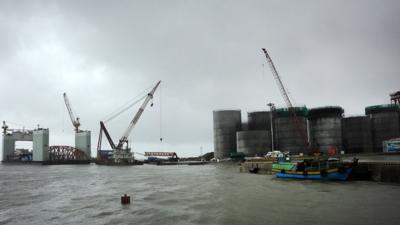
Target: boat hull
x,y
316,175
123,163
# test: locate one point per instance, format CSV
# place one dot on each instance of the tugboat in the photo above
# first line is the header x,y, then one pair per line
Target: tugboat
x,y
320,168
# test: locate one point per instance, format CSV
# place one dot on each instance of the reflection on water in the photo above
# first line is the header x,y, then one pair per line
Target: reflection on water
x,y
208,194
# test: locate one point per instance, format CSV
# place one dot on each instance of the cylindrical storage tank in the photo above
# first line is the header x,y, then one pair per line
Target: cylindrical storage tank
x,y
357,134
254,142
226,124
325,126
385,123
245,126
260,120
288,135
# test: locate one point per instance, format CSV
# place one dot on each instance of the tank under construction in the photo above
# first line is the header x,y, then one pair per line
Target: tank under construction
x,y
226,124
254,142
385,123
289,135
357,134
325,128
259,120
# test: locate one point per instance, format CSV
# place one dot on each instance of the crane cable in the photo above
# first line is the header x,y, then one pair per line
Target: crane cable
x,y
127,105
161,138
124,109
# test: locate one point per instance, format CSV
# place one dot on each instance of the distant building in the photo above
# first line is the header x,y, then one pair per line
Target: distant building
x,y
395,98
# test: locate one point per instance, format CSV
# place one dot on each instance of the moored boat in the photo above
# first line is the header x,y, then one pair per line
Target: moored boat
x,y
313,169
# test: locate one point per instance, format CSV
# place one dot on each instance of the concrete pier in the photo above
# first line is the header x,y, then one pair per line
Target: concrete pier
x,y
256,166
82,142
41,145
378,171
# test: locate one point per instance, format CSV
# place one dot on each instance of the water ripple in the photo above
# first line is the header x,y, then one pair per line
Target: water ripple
x,y
210,194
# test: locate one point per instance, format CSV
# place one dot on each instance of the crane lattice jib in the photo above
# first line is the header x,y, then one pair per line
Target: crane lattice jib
x,y
287,99
108,136
75,121
137,116
278,79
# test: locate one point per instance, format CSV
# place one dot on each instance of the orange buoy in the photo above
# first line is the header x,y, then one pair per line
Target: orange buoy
x,y
125,199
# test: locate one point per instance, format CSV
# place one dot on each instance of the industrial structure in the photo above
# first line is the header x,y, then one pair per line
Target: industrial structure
x,y
255,138
292,129
325,128
259,120
357,134
385,123
41,152
82,137
297,122
121,152
39,137
395,98
226,124
289,135
254,142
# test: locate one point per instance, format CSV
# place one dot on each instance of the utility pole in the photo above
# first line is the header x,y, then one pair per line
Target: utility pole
x,y
272,109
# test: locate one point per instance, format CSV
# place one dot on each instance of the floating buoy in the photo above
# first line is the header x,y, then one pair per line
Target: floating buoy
x,y
125,200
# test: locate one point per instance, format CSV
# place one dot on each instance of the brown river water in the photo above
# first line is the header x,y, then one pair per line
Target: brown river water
x,y
203,194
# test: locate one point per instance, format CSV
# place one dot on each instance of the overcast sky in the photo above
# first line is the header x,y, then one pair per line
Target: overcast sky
x,y
207,54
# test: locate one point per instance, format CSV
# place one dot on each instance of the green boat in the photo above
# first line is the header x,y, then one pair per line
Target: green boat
x,y
314,169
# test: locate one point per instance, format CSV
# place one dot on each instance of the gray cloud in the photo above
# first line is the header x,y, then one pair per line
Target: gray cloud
x,y
208,54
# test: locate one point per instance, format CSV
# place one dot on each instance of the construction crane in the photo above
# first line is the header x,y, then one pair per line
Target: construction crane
x,y
289,104
75,120
119,152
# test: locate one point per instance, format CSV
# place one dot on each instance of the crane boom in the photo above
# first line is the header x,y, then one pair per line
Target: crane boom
x,y
278,79
75,121
287,99
135,119
108,136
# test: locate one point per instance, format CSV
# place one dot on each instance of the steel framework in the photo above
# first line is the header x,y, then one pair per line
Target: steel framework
x,y
171,154
62,153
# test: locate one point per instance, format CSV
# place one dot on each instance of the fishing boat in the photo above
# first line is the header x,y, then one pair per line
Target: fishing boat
x,y
314,169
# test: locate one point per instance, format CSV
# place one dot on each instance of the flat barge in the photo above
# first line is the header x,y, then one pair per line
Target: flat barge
x,y
47,162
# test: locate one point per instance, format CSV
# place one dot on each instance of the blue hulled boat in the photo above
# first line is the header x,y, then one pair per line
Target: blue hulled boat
x,y
313,169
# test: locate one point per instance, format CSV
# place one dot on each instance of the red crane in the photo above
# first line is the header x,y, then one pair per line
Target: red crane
x,y
289,104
